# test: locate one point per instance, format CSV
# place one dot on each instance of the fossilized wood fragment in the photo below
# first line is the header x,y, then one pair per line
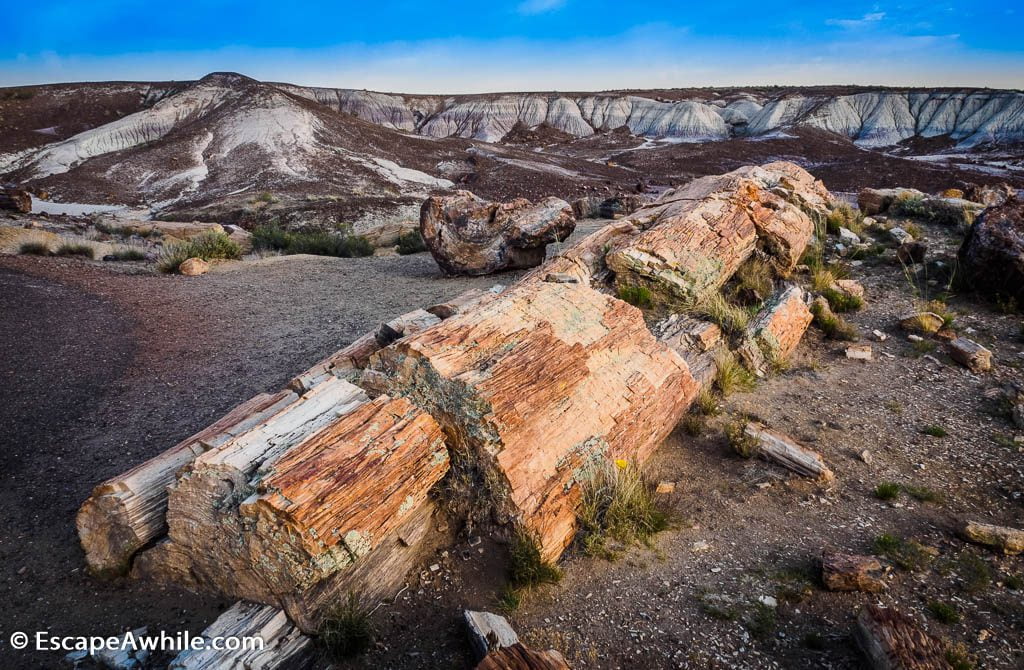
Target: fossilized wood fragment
x,y
468,235
488,632
284,646
327,497
777,329
15,200
970,354
539,384
695,237
850,572
127,512
1008,540
787,453
892,641
520,657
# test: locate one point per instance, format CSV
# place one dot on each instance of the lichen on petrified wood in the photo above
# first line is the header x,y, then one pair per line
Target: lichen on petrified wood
x,y
539,385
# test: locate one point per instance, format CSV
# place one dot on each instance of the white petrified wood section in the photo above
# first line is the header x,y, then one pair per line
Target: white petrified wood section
x,y
787,453
129,511
266,640
488,632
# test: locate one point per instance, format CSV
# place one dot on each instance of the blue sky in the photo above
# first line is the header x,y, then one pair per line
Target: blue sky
x,y
460,47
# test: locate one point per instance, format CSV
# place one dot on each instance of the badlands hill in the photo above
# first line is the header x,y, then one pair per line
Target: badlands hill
x,y
230,148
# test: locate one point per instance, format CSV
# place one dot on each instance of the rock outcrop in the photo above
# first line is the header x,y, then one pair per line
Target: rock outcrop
x,y
992,254
468,235
15,200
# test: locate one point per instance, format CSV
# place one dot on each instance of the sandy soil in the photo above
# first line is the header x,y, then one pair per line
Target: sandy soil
x,y
104,369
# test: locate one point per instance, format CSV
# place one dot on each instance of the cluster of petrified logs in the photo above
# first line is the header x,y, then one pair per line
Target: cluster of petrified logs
x,y
296,497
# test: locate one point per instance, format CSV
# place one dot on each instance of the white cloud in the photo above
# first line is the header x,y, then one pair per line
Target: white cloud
x,y
865,21
531,7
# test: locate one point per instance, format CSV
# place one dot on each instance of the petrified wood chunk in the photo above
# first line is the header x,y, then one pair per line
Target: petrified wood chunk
x,y
488,632
892,641
970,354
327,495
787,453
1009,540
520,657
850,572
469,235
284,645
695,237
776,330
992,253
16,200
540,384
127,512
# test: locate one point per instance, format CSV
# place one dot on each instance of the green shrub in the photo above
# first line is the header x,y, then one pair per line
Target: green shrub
x,y
887,491
943,612
975,572
844,216
319,243
638,296
923,493
129,254
935,431
618,502
411,243
34,248
208,246
76,249
907,554
266,197
347,630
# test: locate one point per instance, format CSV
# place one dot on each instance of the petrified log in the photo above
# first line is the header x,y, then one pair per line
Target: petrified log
x,y
16,200
1009,540
539,385
695,340
406,324
990,195
787,453
464,301
892,641
520,657
850,572
873,201
308,505
695,237
127,512
469,235
284,646
992,254
970,354
777,329
488,632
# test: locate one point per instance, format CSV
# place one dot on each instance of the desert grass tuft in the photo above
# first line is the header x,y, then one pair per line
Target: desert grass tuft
x,y
943,612
730,375
907,554
754,281
887,491
347,630
740,442
75,249
844,215
834,326
619,503
527,567
638,296
129,254
34,249
341,244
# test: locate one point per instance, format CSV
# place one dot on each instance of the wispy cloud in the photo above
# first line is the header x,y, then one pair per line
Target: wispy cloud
x,y
865,21
531,7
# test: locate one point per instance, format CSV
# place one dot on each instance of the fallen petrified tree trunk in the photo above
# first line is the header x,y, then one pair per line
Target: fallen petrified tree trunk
x,y
520,657
468,235
776,330
16,200
694,238
892,641
328,495
127,512
787,453
1009,540
537,386
284,647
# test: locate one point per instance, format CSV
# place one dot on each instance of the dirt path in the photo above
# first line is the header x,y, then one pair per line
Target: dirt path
x,y
103,370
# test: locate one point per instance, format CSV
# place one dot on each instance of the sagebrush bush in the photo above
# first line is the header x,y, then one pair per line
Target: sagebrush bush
x,y
411,243
34,249
75,249
342,244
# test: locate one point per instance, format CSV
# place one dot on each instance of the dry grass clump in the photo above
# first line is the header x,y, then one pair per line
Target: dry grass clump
x,y
208,246
34,249
347,630
844,216
715,308
742,443
730,375
75,249
754,281
619,503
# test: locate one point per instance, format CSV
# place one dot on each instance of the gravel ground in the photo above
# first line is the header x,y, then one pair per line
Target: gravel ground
x,y
178,352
